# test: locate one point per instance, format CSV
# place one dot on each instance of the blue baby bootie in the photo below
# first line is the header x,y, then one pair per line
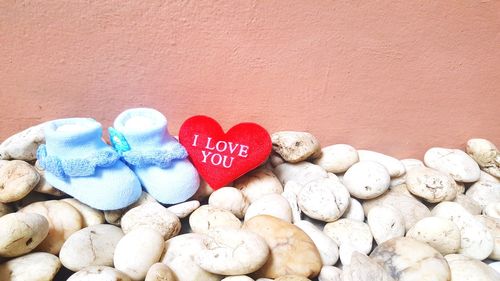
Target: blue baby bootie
x,y
79,163
160,162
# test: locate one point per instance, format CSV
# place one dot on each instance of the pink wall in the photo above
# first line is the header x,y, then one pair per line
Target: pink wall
x,y
393,76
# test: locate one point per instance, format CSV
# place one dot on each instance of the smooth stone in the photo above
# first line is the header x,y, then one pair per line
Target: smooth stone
x,y
430,184
354,211
476,241
385,223
467,269
495,266
351,236
154,216
410,163
90,216
407,259
182,210
43,186
441,234
301,173
292,278
180,252
411,209
238,278
492,210
137,251
391,164
366,180
486,154
63,219
328,249
487,177
208,217
231,199
160,272
272,204
92,246
324,199
233,252
23,145
30,267
258,183
402,188
292,251
337,158
454,162
330,273
493,225
17,179
275,159
294,147
363,268
468,203
98,273
291,196
484,193
20,233
114,216
5,209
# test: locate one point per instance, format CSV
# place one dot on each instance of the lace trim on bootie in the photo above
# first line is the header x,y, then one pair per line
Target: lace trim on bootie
x,y
76,167
162,157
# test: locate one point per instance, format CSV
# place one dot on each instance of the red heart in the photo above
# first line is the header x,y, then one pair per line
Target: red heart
x,y
222,157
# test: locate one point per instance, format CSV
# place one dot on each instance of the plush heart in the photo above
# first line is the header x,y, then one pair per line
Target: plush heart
x,y
222,157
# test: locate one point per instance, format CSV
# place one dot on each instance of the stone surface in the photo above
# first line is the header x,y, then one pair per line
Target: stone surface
x,y
476,241
301,173
454,162
486,154
272,204
294,147
407,259
154,216
337,158
492,210
291,196
114,216
484,193
258,183
351,236
30,267
366,180
180,253
238,278
104,273
90,216
184,209
160,272
4,209
411,209
91,246
137,251
493,225
231,199
330,273
63,219
232,252
17,179
208,217
292,251
467,269
363,268
328,249
430,184
23,145
385,223
468,203
354,211
441,234
391,164
292,278
324,199
20,233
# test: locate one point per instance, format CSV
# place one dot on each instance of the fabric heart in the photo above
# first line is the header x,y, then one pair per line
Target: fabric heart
x,y
222,157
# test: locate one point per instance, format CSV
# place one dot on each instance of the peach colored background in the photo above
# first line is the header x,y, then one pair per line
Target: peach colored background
x,y
393,76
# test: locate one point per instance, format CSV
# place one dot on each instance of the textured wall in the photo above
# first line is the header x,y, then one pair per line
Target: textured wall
x,y
393,76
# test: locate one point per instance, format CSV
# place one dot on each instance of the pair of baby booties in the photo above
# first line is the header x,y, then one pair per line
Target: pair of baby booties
x,y
78,162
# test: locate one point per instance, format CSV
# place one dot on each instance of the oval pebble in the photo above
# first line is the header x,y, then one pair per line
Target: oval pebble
x,y
391,164
20,233
184,209
351,233
363,268
160,272
17,179
366,180
442,234
295,146
231,199
337,158
492,210
385,223
431,185
301,173
354,211
327,248
208,217
272,204
104,273
258,183
154,216
466,269
486,154
32,267
330,273
454,162
238,278
493,225
484,193
90,216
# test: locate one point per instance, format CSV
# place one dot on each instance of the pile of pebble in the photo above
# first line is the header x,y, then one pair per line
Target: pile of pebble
x,y
310,213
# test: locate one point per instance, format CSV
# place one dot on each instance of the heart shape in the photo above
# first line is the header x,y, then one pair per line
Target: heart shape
x,y
220,157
